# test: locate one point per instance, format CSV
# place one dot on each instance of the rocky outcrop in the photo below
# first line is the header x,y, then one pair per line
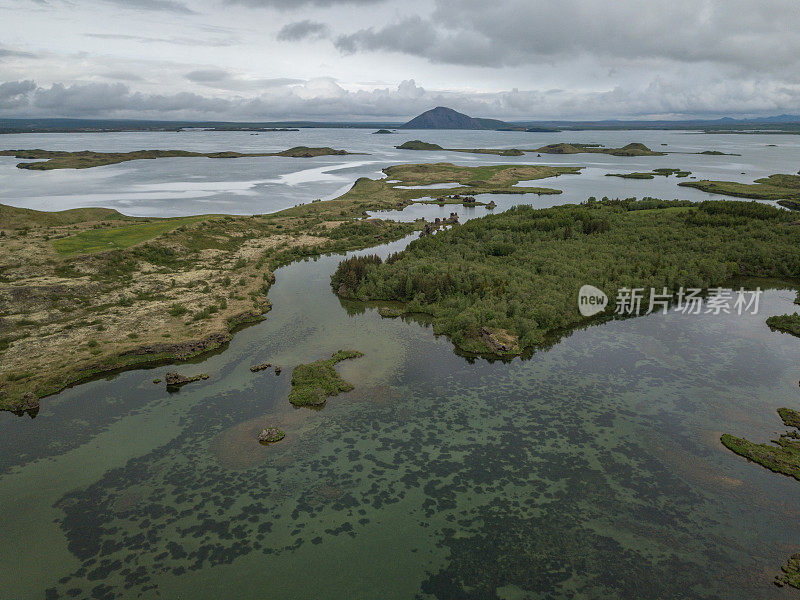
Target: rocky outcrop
x,y
261,367
29,401
270,435
491,205
277,370
174,379
500,341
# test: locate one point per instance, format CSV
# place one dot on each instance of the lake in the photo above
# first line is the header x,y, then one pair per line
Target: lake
x,y
592,469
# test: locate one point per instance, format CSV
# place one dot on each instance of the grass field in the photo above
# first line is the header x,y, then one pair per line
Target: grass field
x,y
118,238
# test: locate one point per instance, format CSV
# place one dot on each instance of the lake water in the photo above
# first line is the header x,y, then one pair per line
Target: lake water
x,y
591,470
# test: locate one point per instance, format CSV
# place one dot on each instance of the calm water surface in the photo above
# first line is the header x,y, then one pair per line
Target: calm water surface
x,y
591,470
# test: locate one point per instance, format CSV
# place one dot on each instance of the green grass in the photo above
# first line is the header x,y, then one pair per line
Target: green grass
x,y
13,217
118,238
313,383
520,271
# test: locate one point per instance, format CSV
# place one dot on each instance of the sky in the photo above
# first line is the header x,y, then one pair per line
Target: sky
x,y
388,60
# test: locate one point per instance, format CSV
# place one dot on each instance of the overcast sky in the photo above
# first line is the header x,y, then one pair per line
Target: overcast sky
x,y
389,60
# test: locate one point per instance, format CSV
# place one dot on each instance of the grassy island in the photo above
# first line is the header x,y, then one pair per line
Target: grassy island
x,y
775,187
507,283
780,456
634,149
652,174
314,383
101,291
419,145
86,159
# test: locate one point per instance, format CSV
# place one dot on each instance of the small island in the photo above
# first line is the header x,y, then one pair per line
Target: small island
x,y
652,174
314,383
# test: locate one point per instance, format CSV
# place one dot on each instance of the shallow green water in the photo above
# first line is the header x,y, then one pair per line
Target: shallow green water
x,y
591,470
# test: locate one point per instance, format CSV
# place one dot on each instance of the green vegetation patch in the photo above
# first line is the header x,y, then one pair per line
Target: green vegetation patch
x,y
520,271
775,187
786,323
652,174
86,159
313,383
13,217
779,456
99,240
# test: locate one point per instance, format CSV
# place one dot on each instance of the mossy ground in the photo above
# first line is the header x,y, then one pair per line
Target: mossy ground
x,y
314,383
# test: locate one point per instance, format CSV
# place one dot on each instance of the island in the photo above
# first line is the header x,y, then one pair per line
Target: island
x,y
633,149
652,174
85,159
314,383
507,284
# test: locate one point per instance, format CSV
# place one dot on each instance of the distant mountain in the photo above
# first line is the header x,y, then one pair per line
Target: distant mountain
x,y
442,117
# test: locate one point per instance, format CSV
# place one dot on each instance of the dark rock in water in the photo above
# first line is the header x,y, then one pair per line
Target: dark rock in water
x,y
491,205
175,379
277,370
261,367
271,434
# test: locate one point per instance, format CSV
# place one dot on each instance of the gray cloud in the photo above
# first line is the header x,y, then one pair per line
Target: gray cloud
x,y
294,4
180,41
14,94
301,30
161,5
122,76
8,53
221,79
520,32
324,99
